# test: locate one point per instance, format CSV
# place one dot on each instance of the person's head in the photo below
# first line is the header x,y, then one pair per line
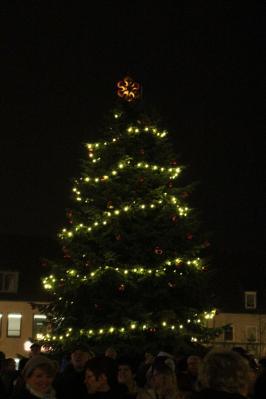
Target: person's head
x,y
35,349
248,356
111,352
126,371
148,357
2,358
166,347
224,371
193,364
39,373
79,357
100,374
262,364
253,366
9,364
163,378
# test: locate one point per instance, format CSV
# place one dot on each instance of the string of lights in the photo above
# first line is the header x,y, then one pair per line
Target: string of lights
x,y
177,328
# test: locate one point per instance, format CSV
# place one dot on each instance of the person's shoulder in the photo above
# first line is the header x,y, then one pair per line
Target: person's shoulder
x,y
212,394
68,368
146,394
105,395
24,394
68,372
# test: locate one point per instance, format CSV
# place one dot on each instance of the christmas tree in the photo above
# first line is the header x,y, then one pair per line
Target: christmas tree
x,y
132,267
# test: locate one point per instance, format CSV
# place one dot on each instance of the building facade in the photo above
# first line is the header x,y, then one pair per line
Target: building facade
x,y
22,267
245,327
21,323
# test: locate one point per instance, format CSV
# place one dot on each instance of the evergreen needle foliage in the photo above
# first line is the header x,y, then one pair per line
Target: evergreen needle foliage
x,y
131,269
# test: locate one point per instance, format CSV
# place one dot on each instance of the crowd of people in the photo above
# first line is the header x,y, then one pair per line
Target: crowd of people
x,y
219,374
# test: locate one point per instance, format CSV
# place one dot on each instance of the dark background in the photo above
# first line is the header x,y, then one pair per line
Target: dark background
x,y
201,66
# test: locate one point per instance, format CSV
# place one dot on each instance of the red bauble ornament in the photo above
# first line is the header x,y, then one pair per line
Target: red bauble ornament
x,y
189,236
206,244
174,218
171,284
173,162
87,263
118,237
170,184
142,152
141,179
184,195
158,250
66,253
121,288
44,263
110,205
69,216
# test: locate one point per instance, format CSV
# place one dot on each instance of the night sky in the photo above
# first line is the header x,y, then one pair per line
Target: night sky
x,y
202,68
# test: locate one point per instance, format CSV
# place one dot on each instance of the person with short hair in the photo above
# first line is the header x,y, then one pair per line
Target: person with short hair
x,y
260,384
8,375
162,384
126,376
100,379
35,349
69,383
111,352
187,378
223,375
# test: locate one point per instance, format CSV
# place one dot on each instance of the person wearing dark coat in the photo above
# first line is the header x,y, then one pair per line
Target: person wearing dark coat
x,y
213,394
223,375
8,375
260,384
69,383
3,392
101,379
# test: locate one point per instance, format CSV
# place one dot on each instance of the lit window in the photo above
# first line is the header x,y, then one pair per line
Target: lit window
x,y
14,325
229,333
8,281
251,334
250,299
39,325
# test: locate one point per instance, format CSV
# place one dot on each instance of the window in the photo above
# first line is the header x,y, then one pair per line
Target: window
x,y
14,325
8,281
251,334
39,325
229,333
250,299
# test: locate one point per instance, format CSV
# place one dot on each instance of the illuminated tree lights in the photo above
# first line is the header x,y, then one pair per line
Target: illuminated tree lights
x,y
131,260
175,329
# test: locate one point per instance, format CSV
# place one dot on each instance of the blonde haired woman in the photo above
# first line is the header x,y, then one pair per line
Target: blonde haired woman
x,y
162,384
